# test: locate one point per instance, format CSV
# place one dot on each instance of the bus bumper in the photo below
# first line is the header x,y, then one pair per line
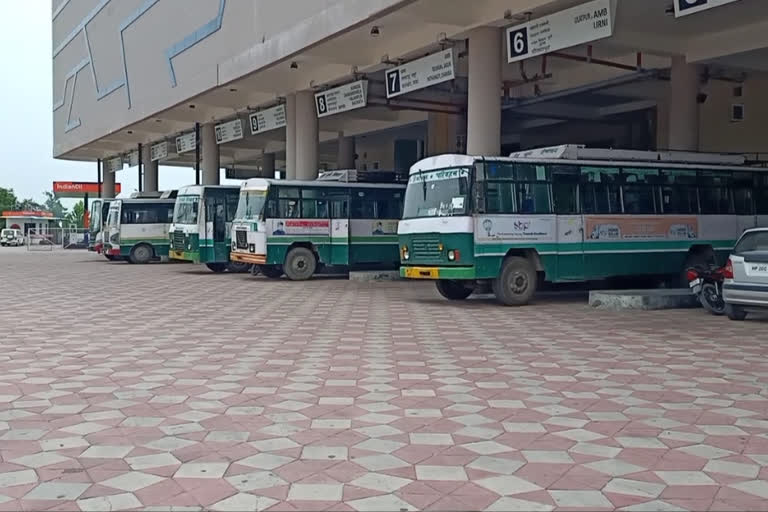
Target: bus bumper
x,y
184,256
255,259
113,252
437,272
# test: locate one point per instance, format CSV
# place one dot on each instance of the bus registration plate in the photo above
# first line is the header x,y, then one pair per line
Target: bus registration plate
x,y
421,273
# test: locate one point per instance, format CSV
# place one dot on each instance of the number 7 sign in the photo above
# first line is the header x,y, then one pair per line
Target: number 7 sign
x,y
393,82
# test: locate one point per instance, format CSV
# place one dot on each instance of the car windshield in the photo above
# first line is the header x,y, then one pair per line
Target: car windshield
x,y
7,232
754,241
185,210
437,193
251,204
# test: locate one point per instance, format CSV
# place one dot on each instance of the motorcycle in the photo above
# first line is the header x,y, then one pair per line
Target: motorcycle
x,y
706,282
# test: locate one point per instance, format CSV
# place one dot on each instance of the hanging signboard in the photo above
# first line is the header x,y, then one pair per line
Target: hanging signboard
x,y
113,164
268,119
158,151
229,131
579,25
686,7
133,158
421,73
186,143
342,99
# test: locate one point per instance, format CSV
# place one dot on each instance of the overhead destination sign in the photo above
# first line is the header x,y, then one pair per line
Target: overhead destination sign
x,y
186,143
158,151
421,73
229,131
113,164
579,25
133,158
686,7
342,99
267,119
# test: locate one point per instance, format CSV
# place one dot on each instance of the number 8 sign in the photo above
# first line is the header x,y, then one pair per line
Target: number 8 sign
x,y
322,105
517,43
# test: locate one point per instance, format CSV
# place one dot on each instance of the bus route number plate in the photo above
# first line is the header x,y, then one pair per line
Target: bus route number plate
x,y
421,273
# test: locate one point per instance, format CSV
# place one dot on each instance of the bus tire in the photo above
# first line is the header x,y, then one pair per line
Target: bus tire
x,y
216,267
300,264
516,282
238,268
141,254
271,271
453,290
109,257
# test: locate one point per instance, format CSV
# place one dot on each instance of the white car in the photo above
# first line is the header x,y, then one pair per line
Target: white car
x,y
9,236
746,275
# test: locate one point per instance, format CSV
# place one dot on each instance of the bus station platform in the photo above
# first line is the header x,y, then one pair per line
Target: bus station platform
x,y
169,387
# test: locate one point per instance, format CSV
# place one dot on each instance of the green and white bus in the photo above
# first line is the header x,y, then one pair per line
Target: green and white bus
x,y
137,229
569,213
202,221
295,227
98,214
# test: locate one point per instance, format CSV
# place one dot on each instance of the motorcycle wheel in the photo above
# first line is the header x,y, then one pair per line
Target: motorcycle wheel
x,y
711,299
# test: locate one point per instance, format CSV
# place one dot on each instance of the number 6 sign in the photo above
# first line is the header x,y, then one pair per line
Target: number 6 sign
x,y
517,44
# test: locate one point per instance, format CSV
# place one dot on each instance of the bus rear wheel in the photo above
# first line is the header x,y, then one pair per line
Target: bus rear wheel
x,y
238,268
516,282
271,271
141,254
300,264
216,267
454,290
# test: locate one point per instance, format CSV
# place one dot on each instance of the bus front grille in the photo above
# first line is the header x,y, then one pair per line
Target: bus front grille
x,y
178,241
241,237
426,248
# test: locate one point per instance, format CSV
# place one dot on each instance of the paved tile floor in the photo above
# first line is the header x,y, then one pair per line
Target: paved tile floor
x,y
161,386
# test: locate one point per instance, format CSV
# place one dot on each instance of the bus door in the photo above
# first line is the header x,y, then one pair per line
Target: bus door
x,y
570,224
338,209
216,223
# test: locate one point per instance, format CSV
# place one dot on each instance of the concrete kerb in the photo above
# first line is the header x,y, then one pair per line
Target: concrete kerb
x,y
647,300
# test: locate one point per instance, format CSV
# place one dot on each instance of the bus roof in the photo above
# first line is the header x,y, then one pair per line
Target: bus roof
x,y
263,183
570,154
144,200
197,190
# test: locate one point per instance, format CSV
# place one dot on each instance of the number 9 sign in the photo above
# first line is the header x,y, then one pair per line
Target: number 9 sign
x,y
517,43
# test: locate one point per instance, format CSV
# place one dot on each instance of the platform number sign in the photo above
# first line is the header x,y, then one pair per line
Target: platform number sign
x,y
322,105
393,82
518,42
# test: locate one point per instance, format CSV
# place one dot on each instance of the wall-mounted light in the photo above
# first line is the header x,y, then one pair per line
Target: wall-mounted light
x,y
294,65
232,89
192,106
375,32
129,132
158,120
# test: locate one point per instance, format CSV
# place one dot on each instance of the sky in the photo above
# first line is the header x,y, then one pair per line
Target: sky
x,y
26,132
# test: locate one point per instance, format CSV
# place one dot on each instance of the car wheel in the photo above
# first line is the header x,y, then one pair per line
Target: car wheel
x,y
454,290
300,264
735,312
516,282
141,254
271,271
216,267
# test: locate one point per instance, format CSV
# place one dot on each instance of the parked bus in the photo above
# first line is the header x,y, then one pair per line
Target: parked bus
x,y
202,220
96,228
294,227
137,229
569,213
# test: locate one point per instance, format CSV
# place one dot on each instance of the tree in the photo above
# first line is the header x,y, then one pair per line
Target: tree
x,y
53,204
7,201
76,217
29,204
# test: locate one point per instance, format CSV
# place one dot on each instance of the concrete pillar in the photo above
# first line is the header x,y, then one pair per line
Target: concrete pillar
x,y
268,165
306,136
683,105
108,184
150,169
209,155
290,137
345,155
484,96
441,133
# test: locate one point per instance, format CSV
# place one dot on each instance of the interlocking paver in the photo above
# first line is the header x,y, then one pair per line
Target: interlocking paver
x,y
314,396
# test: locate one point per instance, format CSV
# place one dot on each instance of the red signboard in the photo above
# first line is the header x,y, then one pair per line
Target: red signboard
x,y
78,188
26,213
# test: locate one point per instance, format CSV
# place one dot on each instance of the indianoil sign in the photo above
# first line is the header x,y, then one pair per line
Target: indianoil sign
x,y
79,188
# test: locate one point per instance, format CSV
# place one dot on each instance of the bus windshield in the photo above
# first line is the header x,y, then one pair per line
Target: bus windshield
x,y
113,218
185,210
439,193
95,222
251,204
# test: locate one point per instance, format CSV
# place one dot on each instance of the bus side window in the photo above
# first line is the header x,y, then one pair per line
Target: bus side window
x,y
533,188
600,190
565,188
641,191
679,194
743,193
761,193
715,192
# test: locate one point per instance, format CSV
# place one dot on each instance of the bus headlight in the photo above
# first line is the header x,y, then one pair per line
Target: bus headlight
x,y
453,255
405,253
234,246
252,247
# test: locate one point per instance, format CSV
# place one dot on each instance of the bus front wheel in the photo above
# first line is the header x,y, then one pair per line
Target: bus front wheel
x,y
453,290
141,254
271,271
516,282
216,267
300,264
238,268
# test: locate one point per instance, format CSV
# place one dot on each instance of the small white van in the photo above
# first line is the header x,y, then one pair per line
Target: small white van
x,y
10,236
